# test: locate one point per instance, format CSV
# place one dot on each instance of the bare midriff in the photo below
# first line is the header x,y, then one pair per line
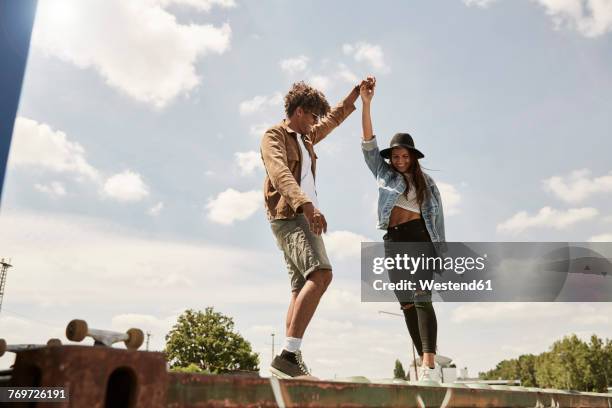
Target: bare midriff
x,y
400,216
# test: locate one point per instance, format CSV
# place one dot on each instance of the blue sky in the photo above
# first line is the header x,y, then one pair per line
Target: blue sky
x,y
134,182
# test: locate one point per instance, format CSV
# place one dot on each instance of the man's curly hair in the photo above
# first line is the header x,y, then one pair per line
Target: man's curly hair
x,y
309,98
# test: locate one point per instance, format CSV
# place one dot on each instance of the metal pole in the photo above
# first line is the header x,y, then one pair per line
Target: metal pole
x,y
4,266
272,347
416,373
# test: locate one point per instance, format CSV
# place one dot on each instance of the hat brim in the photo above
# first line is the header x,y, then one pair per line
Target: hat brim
x,y
386,153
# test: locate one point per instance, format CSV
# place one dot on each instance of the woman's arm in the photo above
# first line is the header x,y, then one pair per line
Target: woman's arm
x,y
366,91
371,154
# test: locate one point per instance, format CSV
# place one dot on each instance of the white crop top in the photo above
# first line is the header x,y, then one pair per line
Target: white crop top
x,y
410,203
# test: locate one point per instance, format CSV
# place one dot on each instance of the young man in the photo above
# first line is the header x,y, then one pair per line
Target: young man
x,y
292,208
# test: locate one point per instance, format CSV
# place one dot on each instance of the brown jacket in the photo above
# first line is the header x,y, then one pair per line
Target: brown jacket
x,y
282,159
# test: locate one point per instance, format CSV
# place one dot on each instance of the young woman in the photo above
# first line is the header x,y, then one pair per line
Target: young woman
x,y
410,210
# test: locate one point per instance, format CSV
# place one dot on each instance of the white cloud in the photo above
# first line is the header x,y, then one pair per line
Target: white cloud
x,y
248,162
38,145
590,18
144,322
601,238
320,82
203,5
97,261
105,270
578,186
547,217
231,205
156,209
258,103
54,189
369,53
478,3
490,312
147,54
126,187
450,198
344,244
294,65
259,129
346,74
593,319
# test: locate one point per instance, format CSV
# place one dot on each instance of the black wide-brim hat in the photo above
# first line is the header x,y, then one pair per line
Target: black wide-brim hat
x,y
401,140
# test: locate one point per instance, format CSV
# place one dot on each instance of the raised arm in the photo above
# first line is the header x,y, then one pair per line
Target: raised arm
x,y
336,115
371,154
366,90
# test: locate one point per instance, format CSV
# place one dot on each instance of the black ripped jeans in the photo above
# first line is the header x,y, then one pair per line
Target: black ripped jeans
x,y
417,307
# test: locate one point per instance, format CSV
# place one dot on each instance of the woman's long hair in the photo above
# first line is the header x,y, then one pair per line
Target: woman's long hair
x,y
418,178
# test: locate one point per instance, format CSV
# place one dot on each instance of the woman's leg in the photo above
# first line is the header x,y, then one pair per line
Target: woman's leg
x,y
426,326
412,322
428,330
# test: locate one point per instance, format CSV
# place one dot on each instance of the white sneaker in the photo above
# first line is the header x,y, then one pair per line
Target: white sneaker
x,y
427,374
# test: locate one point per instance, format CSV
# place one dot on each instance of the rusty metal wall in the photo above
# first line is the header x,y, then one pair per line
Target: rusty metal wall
x,y
98,377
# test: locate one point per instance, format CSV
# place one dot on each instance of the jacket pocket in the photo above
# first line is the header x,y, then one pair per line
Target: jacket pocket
x,y
292,155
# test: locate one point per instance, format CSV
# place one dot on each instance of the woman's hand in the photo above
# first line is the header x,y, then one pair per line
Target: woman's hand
x,y
366,90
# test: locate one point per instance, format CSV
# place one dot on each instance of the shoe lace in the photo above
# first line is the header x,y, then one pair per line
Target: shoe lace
x,y
301,362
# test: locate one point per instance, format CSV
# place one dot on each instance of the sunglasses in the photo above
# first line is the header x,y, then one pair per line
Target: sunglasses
x,y
317,118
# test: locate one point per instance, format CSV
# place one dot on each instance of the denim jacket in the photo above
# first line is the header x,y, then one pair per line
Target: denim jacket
x,y
391,184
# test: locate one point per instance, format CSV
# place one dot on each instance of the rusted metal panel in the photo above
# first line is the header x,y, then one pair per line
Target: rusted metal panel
x,y
193,390
198,390
331,394
93,375
96,377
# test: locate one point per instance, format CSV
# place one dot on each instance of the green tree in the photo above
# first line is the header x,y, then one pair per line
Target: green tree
x,y
208,340
398,371
599,361
505,370
569,364
526,370
191,368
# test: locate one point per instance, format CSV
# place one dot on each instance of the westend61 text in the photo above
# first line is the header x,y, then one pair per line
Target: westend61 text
x,y
409,263
429,285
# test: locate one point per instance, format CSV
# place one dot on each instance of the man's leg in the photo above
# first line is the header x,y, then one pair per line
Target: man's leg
x,y
310,273
294,295
307,301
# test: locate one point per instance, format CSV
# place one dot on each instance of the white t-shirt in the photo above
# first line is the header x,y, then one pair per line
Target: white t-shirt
x,y
307,182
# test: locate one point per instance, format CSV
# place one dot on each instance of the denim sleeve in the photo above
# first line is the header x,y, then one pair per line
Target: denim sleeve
x,y
374,161
440,217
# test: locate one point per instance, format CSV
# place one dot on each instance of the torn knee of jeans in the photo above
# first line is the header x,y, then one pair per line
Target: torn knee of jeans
x,y
406,307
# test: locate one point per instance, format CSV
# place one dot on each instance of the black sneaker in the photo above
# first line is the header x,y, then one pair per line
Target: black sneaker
x,y
289,365
298,355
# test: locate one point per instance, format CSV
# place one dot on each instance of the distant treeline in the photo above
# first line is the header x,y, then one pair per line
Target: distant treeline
x,y
570,364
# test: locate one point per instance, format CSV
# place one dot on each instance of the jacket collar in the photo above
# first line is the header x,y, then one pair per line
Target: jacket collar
x,y
285,126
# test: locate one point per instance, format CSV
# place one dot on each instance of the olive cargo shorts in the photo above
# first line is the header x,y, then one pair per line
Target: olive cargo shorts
x,y
304,251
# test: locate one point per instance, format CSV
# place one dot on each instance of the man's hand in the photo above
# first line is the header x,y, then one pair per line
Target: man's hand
x,y
366,89
352,97
316,220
